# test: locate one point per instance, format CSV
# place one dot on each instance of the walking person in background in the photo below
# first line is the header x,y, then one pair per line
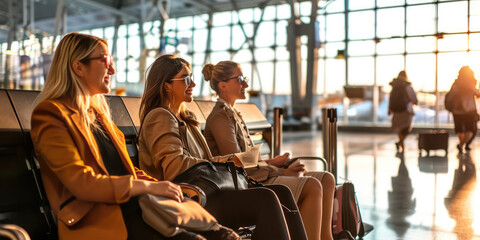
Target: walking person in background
x,y
460,100
400,104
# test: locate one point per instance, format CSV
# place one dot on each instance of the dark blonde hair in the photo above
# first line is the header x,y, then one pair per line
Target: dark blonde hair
x,y
62,82
218,73
156,95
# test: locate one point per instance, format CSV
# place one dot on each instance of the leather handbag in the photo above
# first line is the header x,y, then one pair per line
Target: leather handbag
x,y
214,177
169,217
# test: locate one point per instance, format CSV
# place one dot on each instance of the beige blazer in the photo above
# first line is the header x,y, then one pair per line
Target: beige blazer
x,y
168,147
75,176
227,133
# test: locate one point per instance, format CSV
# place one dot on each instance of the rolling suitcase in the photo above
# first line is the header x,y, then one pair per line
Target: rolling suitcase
x,y
433,140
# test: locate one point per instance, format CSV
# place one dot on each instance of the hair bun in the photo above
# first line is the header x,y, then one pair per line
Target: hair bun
x,y
208,71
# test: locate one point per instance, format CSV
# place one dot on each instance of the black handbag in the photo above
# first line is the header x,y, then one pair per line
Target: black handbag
x,y
213,177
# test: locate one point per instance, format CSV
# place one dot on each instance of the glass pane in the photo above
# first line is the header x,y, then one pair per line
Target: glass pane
x,y
122,31
134,47
421,20
238,38
282,53
452,17
282,80
216,57
200,40
391,46
200,21
121,48
335,75
265,35
281,33
244,55
474,15
184,23
420,44
336,6
475,41
245,15
388,3
421,71
220,38
264,54
222,19
269,13
171,23
98,32
419,1
199,58
361,48
266,76
321,77
361,25
448,66
388,68
305,8
453,42
331,49
363,4
334,23
283,11
133,29
360,71
390,22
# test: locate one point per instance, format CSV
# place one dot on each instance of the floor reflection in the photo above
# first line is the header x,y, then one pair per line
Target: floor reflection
x,y
460,199
406,196
401,202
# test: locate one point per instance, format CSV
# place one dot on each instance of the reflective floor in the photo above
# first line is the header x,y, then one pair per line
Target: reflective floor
x,y
403,195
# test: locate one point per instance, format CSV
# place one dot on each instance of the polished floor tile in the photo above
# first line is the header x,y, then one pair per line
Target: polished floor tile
x,y
405,196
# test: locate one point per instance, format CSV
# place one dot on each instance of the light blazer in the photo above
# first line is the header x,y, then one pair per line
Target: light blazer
x,y
168,147
225,134
83,196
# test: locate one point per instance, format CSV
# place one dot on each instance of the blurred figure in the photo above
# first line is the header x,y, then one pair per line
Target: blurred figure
x,y
402,99
463,107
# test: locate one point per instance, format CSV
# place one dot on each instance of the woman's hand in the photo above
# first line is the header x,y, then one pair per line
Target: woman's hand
x,y
279,160
161,188
295,170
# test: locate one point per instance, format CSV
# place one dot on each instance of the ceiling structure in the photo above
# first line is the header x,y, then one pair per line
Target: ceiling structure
x,y
16,15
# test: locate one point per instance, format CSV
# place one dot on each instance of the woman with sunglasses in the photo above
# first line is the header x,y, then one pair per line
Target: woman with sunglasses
x,y
90,181
170,142
227,133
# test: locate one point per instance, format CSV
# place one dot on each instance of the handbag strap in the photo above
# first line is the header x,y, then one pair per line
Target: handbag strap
x,y
233,171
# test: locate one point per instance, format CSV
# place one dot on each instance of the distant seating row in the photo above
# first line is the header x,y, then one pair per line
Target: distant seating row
x,y
23,200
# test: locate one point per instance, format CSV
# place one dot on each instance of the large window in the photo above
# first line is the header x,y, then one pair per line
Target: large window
x,y
363,42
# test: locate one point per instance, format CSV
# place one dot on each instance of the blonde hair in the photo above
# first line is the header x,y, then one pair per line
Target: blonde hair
x,y
218,73
156,95
62,82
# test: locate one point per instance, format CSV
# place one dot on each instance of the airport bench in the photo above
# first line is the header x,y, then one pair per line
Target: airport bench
x,y
24,202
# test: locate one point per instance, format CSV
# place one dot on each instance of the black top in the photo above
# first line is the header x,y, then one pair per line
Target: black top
x,y
112,160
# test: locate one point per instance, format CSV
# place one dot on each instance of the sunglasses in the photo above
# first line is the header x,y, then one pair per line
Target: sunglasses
x,y
241,79
106,59
188,79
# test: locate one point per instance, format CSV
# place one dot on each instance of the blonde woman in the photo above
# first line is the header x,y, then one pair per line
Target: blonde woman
x,y
227,133
88,176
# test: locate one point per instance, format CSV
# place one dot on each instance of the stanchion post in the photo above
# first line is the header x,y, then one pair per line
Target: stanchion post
x,y
332,117
277,130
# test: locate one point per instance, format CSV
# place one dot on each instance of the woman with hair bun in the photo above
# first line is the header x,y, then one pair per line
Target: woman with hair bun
x,y
227,133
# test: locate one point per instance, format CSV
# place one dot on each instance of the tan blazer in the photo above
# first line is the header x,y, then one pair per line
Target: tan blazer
x,y
74,174
226,133
168,148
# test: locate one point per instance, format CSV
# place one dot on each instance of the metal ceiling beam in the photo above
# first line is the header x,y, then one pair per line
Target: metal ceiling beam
x,y
112,10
